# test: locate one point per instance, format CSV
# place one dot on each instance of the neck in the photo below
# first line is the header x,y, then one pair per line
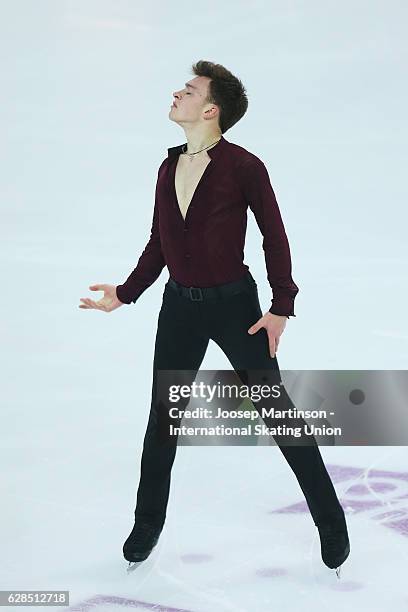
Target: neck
x,y
197,141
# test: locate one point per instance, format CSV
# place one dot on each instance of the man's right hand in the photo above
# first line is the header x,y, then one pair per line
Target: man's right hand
x,y
109,301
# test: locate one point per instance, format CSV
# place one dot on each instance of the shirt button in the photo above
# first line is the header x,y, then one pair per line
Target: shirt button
x,y
185,229
188,255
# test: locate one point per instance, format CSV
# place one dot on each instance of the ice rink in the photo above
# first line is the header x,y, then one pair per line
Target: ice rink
x,y
87,88
237,537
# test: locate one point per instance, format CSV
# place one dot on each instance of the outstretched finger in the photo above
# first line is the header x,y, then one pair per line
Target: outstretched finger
x,y
97,287
254,328
95,305
90,303
272,343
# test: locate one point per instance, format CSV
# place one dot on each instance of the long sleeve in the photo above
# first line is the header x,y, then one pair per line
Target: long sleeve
x,y
149,266
262,201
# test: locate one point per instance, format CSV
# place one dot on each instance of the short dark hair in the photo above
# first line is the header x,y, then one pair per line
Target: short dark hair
x,y
225,90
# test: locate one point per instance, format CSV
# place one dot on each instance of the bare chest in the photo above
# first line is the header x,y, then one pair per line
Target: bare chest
x,y
187,177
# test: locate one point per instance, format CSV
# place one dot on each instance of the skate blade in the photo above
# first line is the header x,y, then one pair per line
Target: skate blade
x,y
338,571
132,566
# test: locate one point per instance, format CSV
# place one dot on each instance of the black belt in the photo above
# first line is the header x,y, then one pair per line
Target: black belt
x,y
198,294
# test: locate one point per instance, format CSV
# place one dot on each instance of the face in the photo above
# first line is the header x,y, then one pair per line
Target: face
x,y
189,103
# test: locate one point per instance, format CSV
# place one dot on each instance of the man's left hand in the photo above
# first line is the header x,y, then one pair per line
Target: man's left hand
x,y
274,325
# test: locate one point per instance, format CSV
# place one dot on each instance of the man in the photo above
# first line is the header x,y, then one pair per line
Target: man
x,y
203,190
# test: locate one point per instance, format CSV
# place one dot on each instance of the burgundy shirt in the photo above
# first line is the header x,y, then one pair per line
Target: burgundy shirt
x,y
207,248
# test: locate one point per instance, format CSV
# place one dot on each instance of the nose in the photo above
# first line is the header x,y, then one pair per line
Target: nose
x,y
177,94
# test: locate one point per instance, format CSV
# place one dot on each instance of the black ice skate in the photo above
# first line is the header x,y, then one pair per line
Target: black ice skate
x,y
334,541
141,541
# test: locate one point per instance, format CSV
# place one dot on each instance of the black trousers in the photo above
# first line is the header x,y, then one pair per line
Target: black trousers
x,y
184,330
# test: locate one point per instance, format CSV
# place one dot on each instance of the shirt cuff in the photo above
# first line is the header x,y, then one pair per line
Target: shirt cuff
x,y
284,308
281,315
122,295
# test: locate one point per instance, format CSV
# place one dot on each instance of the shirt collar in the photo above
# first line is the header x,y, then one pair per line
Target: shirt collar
x,y
213,152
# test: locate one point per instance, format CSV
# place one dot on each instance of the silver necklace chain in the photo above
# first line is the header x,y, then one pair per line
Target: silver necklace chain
x,y
192,154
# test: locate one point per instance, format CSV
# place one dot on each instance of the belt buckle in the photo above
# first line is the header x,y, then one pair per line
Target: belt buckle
x,y
195,299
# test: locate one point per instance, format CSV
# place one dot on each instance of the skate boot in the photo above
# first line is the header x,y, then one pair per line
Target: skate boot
x,y
141,541
334,541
